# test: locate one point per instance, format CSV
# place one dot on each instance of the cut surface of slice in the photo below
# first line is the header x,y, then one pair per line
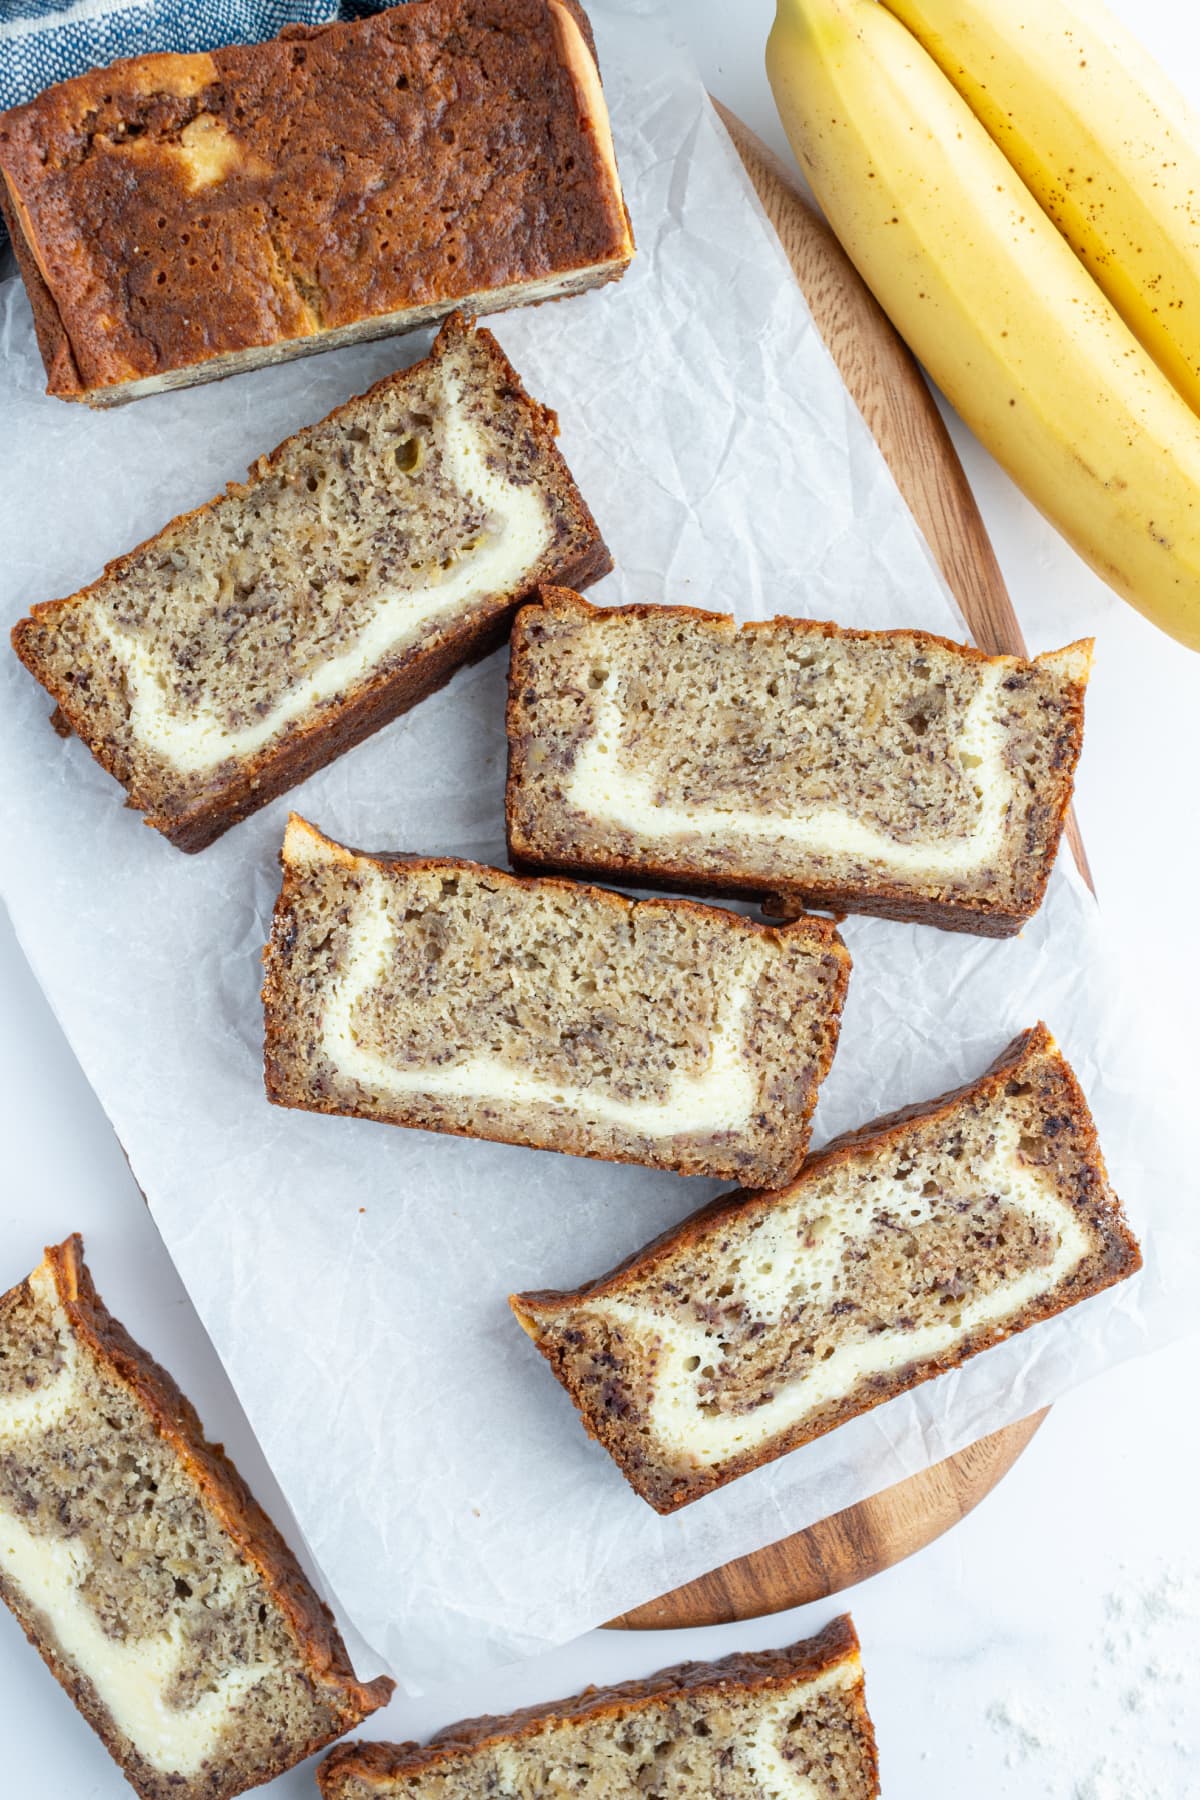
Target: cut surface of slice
x,y
157,1591
439,993
888,772
902,1249
773,1725
178,218
364,560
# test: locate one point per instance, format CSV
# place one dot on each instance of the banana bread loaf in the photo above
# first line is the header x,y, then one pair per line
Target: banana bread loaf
x,y
868,771
178,218
431,992
778,1725
902,1250
157,1591
364,561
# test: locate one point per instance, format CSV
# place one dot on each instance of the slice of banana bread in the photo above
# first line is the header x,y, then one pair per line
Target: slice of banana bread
x,y
431,992
777,1725
902,1250
157,1591
869,771
179,218
364,561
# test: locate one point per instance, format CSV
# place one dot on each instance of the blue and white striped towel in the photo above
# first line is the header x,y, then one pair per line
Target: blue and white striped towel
x,y
43,41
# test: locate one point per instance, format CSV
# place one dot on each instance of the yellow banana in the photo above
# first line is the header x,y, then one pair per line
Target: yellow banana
x,y
1101,138
993,301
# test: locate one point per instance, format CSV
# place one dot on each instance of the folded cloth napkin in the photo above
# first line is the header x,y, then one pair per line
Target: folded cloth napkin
x,y
43,41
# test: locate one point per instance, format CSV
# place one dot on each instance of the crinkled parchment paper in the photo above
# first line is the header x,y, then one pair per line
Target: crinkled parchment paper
x,y
354,1277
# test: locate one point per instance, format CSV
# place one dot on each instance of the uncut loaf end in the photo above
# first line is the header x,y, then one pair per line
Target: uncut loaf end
x,y
180,218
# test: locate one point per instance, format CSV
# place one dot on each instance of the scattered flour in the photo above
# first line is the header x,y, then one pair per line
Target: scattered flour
x,y
1145,1686
1029,1730
1106,1782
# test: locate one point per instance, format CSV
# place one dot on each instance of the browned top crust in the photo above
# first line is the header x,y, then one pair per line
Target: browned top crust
x,y
820,932
222,1489
173,209
760,1670
722,624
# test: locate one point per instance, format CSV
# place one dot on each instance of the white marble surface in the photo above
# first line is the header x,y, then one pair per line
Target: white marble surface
x,y
1038,1649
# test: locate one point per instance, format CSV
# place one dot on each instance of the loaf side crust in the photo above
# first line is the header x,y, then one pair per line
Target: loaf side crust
x,y
283,1088
61,372
377,1765
304,748
980,915
178,217
1093,1196
224,1493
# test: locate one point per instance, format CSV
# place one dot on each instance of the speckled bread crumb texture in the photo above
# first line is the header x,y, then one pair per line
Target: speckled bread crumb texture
x,y
362,562
443,994
766,1320
761,1726
178,218
890,772
159,1595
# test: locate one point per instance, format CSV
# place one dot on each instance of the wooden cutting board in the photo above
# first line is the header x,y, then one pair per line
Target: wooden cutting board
x,y
888,388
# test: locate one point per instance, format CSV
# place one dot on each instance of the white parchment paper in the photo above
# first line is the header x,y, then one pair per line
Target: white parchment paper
x,y
354,1277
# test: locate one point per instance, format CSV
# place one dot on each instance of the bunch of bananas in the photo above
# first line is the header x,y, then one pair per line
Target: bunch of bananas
x,y
1020,186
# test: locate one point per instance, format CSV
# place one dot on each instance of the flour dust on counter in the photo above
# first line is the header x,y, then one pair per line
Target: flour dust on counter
x,y
1139,1696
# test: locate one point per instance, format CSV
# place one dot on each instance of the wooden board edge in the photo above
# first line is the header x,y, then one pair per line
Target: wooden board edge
x,y
845,1548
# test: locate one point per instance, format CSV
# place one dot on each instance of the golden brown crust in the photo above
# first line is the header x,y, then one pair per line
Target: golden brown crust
x,y
980,915
172,212
377,1765
1091,1194
305,748
224,1492
572,1140
61,373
